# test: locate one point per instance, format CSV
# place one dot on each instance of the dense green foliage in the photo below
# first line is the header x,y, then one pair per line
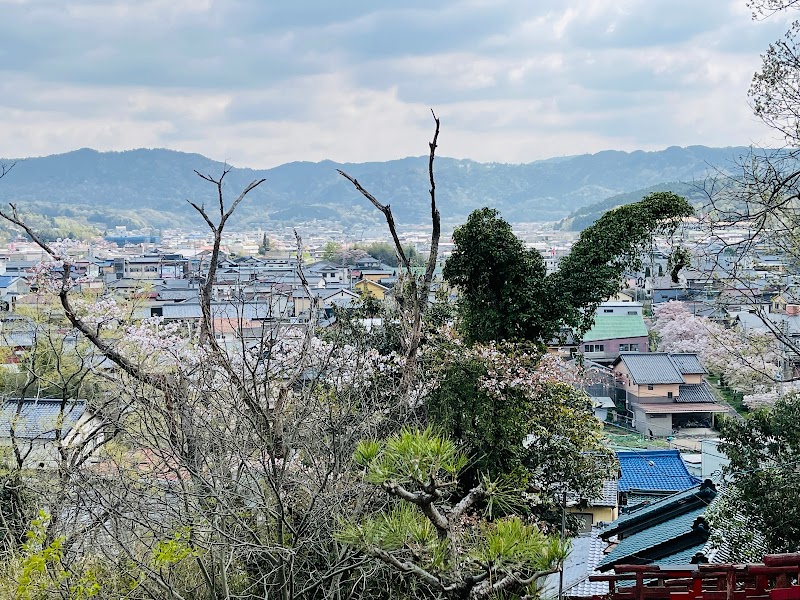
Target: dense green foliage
x,y
506,293
386,253
586,215
16,505
594,267
502,284
516,415
764,479
421,530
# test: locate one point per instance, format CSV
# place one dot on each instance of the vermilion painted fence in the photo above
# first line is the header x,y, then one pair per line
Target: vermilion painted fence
x,y
777,578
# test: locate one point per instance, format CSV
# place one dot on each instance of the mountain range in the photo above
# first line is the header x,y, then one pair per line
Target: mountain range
x,y
150,187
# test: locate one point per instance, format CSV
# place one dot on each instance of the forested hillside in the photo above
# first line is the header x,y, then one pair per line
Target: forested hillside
x,y
150,187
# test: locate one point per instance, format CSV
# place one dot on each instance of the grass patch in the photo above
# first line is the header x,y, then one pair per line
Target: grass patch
x,y
625,438
735,399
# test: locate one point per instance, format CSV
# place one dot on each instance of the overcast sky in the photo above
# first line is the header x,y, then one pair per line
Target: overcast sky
x,y
264,82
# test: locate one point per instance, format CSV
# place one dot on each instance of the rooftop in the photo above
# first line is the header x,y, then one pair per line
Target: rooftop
x,y
654,470
609,327
38,418
695,392
650,368
688,364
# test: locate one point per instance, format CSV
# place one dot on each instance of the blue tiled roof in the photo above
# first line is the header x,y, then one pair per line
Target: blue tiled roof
x,y
654,470
652,537
38,419
6,280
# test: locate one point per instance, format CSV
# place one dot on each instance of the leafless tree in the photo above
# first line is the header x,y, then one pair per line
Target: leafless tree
x,y
224,468
413,292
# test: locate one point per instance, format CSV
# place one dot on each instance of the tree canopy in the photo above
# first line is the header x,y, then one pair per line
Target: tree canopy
x,y
764,479
506,292
518,415
502,284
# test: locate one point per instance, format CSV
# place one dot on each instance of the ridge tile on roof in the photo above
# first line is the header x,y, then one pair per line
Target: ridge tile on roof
x,y
702,493
688,363
652,537
651,368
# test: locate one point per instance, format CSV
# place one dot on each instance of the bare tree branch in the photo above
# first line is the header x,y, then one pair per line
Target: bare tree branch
x,y
207,323
416,294
5,168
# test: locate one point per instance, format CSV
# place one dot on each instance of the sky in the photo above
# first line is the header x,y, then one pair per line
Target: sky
x,y
264,82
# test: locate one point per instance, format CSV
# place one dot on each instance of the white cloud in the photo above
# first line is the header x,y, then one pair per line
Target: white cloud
x,y
267,83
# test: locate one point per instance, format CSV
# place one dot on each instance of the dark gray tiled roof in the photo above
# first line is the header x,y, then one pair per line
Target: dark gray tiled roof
x,y
651,367
38,418
695,392
683,557
688,364
609,494
693,494
652,537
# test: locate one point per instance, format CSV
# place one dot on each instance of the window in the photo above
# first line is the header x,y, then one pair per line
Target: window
x,y
649,387
629,347
594,348
633,313
669,394
586,521
608,310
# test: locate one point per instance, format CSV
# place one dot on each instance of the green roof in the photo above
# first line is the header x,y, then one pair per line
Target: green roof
x,y
609,327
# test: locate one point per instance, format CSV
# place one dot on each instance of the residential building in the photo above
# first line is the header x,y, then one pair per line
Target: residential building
x,y
666,392
618,327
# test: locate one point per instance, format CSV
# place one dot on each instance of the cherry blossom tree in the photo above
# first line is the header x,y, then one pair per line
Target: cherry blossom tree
x,y
748,361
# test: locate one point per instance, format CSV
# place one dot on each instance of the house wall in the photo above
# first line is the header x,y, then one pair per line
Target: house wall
x,y
617,308
659,425
42,455
660,390
604,514
660,296
373,290
641,391
142,270
712,460
611,348
624,376
691,378
301,305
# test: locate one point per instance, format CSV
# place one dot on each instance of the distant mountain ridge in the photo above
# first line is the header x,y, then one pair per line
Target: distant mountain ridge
x,y
585,216
152,186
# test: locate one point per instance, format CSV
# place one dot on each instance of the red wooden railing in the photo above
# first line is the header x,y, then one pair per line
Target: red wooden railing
x,y
777,578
